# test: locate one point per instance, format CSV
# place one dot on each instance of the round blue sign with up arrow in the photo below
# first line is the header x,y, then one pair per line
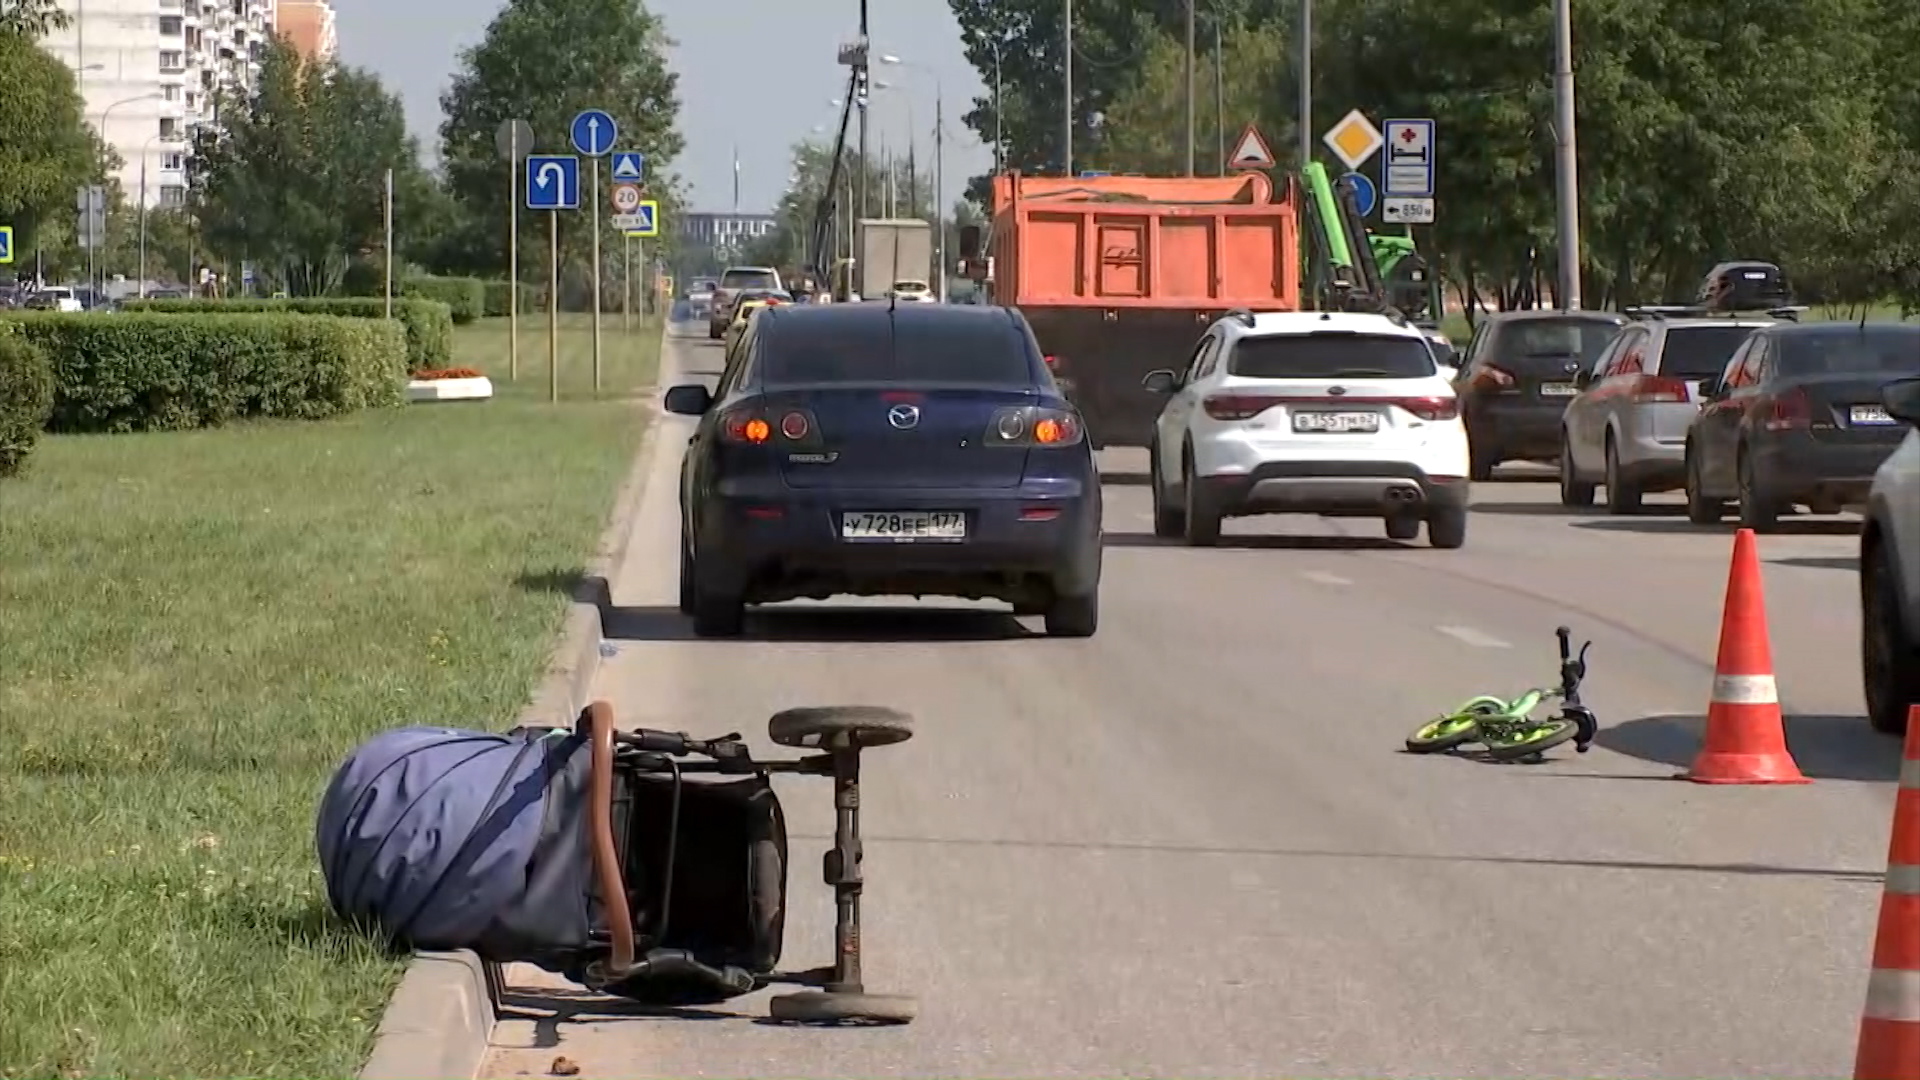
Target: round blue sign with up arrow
x,y
1365,195
594,132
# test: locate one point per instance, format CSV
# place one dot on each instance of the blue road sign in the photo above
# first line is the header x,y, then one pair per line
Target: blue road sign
x,y
1365,195
6,244
553,182
629,167
1406,169
594,132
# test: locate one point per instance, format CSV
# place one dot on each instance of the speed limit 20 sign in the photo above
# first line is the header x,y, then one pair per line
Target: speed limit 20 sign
x,y
626,198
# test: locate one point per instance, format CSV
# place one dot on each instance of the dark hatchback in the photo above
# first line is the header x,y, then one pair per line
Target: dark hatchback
x,y
887,450
1517,376
1797,418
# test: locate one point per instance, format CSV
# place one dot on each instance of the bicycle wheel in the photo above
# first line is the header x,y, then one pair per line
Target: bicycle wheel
x,y
1523,742
1436,736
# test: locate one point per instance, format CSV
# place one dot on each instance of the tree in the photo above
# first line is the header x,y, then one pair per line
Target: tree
x,y
50,151
1146,125
33,19
294,177
543,61
795,217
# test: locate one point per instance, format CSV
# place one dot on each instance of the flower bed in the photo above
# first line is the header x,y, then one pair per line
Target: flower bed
x,y
449,384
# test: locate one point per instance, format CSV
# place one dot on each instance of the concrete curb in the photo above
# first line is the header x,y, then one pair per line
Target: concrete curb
x,y
439,1023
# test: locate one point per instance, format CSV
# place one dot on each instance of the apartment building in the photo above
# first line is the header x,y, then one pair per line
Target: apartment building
x,y
148,72
308,27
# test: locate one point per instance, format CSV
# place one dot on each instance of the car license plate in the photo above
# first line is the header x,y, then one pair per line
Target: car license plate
x,y
1870,414
1337,422
1558,389
904,525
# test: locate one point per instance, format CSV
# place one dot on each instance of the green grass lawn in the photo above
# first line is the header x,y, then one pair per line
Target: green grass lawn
x,y
194,629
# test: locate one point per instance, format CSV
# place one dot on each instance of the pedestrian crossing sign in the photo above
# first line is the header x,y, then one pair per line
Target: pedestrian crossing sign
x,y
6,244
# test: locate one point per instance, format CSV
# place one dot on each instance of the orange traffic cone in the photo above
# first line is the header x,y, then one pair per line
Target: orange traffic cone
x,y
1890,1024
1746,736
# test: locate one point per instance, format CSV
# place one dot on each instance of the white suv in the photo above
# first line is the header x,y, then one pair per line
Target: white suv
x,y
1329,413
1890,573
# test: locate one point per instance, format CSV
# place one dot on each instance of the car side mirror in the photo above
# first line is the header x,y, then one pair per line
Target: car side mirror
x,y
691,399
1902,400
1162,381
969,241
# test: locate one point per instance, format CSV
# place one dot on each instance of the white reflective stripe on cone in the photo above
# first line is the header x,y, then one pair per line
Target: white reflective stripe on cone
x,y
1893,996
1745,690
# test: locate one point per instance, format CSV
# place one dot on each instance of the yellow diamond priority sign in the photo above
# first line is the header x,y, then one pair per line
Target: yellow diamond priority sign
x,y
1354,139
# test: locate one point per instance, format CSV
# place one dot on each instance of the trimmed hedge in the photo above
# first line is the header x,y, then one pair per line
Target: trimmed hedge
x,y
499,299
466,297
157,372
428,323
26,399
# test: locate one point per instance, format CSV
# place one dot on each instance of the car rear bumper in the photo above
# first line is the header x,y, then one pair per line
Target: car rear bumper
x,y
1336,489
1801,468
1021,543
1516,426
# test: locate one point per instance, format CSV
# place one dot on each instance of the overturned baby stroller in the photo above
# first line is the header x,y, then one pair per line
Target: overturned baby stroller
x,y
641,863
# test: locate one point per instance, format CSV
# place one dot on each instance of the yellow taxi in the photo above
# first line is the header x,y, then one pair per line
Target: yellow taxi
x,y
748,302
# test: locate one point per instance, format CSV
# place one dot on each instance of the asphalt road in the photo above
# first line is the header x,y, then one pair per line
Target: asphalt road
x,y
1191,846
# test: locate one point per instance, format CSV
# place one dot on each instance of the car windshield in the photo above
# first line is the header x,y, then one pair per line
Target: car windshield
x,y
966,352
749,279
1696,352
1884,348
1331,355
1553,338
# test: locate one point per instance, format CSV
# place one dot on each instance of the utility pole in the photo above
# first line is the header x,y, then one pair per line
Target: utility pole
x,y
1192,134
1306,83
999,138
1219,95
861,74
939,194
1066,85
1566,155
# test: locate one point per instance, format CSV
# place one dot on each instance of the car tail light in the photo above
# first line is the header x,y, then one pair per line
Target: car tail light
x,y
1053,363
1430,408
1493,378
1790,410
745,426
1033,425
1240,406
795,425
1658,389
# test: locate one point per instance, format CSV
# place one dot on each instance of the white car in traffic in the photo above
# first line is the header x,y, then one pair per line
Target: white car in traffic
x,y
1890,573
1327,413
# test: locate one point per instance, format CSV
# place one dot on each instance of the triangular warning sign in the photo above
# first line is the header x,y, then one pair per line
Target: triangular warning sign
x,y
1251,152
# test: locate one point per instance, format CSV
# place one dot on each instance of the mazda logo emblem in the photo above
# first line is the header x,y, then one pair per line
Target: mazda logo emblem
x,y
904,416
1571,367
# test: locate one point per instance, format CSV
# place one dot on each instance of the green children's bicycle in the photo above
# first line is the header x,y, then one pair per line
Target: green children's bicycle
x,y
1508,730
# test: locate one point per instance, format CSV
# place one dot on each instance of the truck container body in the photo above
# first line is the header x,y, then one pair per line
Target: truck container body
x,y
892,249
1121,275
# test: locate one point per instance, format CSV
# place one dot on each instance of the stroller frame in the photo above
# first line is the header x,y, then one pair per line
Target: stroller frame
x,y
838,733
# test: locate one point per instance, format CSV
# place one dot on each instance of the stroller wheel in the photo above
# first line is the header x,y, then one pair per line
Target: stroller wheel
x,y
832,1007
840,727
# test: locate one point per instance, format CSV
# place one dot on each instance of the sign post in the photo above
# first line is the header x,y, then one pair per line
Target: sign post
x,y
1406,173
593,134
514,141
629,172
553,185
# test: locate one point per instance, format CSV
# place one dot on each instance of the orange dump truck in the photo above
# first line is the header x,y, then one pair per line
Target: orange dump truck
x,y
1120,275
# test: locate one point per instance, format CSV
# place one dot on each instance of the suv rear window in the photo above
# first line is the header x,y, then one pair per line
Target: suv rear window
x,y
1889,348
1540,339
1331,355
749,279
967,352
1696,352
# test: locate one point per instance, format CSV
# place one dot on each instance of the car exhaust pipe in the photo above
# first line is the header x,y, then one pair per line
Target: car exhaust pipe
x,y
1401,495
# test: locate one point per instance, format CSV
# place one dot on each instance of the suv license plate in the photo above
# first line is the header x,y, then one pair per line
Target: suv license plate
x,y
904,525
1337,422
1870,414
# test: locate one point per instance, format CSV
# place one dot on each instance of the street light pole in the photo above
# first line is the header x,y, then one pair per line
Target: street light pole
x,y
939,191
1567,156
1306,83
1192,134
1066,86
93,242
999,141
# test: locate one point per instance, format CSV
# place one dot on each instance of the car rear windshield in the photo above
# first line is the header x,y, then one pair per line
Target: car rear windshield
x,y
749,279
1543,339
967,352
1331,355
1695,352
1866,350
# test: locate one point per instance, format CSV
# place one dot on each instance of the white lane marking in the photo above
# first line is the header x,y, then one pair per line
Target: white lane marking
x,y
1473,637
1325,578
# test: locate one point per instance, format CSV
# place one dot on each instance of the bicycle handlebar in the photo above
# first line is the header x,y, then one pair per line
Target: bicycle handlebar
x,y
678,744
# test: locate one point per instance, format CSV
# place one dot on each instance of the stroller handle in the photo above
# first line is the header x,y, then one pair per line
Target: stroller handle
x,y
606,854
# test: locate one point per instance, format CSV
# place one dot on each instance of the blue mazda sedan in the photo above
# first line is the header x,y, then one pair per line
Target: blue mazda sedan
x,y
882,449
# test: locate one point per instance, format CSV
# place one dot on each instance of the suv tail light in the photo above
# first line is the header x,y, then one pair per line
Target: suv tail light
x,y
1034,425
1053,363
1658,389
1790,410
1248,406
1493,378
1430,408
1241,406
